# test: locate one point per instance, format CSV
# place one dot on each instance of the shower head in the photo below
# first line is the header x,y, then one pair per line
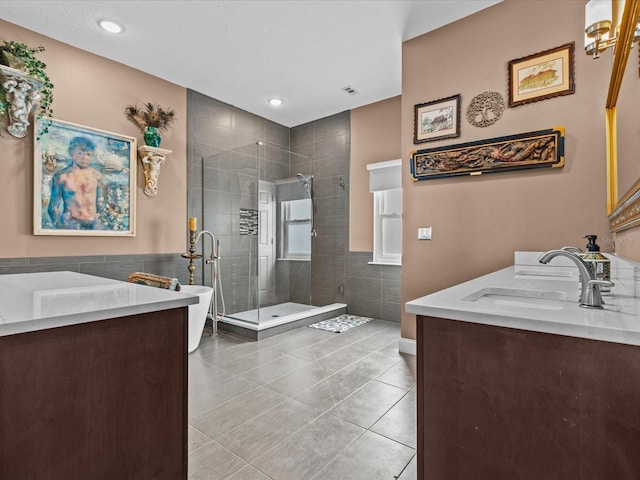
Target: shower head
x,y
307,183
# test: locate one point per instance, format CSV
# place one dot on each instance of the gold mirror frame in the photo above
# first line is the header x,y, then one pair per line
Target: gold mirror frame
x,y
623,212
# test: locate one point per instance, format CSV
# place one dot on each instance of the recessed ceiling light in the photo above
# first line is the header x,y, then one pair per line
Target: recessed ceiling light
x,y
275,102
110,26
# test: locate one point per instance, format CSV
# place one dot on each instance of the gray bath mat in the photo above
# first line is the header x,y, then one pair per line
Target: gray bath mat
x,y
341,324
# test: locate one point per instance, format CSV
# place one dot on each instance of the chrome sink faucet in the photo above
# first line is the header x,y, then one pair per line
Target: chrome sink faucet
x,y
590,296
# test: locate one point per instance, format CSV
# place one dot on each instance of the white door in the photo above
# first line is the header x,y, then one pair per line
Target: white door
x,y
266,242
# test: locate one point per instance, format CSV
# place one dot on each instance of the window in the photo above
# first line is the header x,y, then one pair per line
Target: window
x,y
385,182
387,226
295,230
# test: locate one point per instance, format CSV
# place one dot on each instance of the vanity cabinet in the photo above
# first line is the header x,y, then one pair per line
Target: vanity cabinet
x,y
93,379
102,400
501,403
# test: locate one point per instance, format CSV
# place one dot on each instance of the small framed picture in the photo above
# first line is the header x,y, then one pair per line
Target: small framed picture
x,y
437,120
542,75
84,181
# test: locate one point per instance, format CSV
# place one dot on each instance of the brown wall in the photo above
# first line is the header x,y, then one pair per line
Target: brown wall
x,y
478,222
375,137
93,91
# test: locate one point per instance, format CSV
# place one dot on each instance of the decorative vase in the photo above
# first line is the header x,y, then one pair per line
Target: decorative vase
x,y
152,137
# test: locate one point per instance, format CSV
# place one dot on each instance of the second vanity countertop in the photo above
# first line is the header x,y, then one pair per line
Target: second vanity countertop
x,y
38,301
542,298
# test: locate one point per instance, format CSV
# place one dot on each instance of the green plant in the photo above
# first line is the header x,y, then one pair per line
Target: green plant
x,y
150,115
20,56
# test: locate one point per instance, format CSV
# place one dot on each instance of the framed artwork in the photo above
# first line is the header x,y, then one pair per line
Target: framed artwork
x,y
84,181
437,120
539,149
542,75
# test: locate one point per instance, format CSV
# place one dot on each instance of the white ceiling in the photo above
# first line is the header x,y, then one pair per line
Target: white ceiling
x,y
244,52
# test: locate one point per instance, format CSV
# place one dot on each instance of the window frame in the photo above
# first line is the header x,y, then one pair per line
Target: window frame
x,y
285,222
379,215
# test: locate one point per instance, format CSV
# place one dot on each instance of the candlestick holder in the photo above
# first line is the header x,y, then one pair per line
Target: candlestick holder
x,y
191,255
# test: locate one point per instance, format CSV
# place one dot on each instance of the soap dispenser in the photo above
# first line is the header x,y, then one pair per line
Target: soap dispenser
x,y
600,264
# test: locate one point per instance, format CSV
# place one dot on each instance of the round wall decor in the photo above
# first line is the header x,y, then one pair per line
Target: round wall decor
x,y
485,109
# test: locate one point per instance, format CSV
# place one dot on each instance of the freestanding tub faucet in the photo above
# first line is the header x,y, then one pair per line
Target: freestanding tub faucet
x,y
590,296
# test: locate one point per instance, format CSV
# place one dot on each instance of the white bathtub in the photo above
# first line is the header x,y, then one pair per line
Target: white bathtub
x,y
197,312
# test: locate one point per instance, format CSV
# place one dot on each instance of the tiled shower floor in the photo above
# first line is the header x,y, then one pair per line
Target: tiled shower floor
x,y
304,405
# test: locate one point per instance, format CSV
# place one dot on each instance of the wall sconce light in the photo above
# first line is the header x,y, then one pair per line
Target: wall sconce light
x,y
600,33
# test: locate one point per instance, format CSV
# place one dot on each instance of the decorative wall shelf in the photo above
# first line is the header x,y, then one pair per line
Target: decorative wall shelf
x,y
152,159
23,93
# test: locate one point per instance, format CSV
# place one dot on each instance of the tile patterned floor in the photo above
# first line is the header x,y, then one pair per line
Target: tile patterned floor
x,y
304,405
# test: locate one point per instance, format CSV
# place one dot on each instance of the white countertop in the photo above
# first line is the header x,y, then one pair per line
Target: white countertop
x,y
38,301
554,310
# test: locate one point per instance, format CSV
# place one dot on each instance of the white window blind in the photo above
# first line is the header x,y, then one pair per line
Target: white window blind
x,y
295,230
385,181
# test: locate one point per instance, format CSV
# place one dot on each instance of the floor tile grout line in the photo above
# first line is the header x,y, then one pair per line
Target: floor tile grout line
x,y
204,434
252,368
264,413
232,453
315,477
389,409
389,438
320,381
340,370
405,467
226,401
277,444
254,352
293,397
262,472
356,391
393,384
272,361
245,422
388,369
349,344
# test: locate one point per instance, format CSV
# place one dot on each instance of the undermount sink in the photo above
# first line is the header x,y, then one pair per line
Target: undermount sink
x,y
516,297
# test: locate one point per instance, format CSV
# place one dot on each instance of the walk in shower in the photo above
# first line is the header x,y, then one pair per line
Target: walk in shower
x,y
258,200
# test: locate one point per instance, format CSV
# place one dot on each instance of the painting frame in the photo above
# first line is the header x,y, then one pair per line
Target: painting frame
x,y
84,181
543,75
531,150
444,111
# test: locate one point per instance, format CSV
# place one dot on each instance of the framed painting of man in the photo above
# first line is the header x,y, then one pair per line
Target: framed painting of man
x,y
84,182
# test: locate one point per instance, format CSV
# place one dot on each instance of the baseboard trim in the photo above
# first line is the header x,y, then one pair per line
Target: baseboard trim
x,y
407,345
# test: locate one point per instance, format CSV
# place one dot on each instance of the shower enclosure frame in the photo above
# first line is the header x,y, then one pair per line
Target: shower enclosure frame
x,y
240,178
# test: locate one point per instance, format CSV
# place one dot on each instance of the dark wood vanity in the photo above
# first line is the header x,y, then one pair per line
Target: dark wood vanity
x,y
499,403
101,400
93,395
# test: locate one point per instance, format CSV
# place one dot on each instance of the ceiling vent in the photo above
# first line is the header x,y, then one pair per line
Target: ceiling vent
x,y
349,89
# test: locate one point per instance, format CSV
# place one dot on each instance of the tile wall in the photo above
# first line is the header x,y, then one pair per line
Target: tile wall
x,y
117,267
327,143
373,290
223,160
